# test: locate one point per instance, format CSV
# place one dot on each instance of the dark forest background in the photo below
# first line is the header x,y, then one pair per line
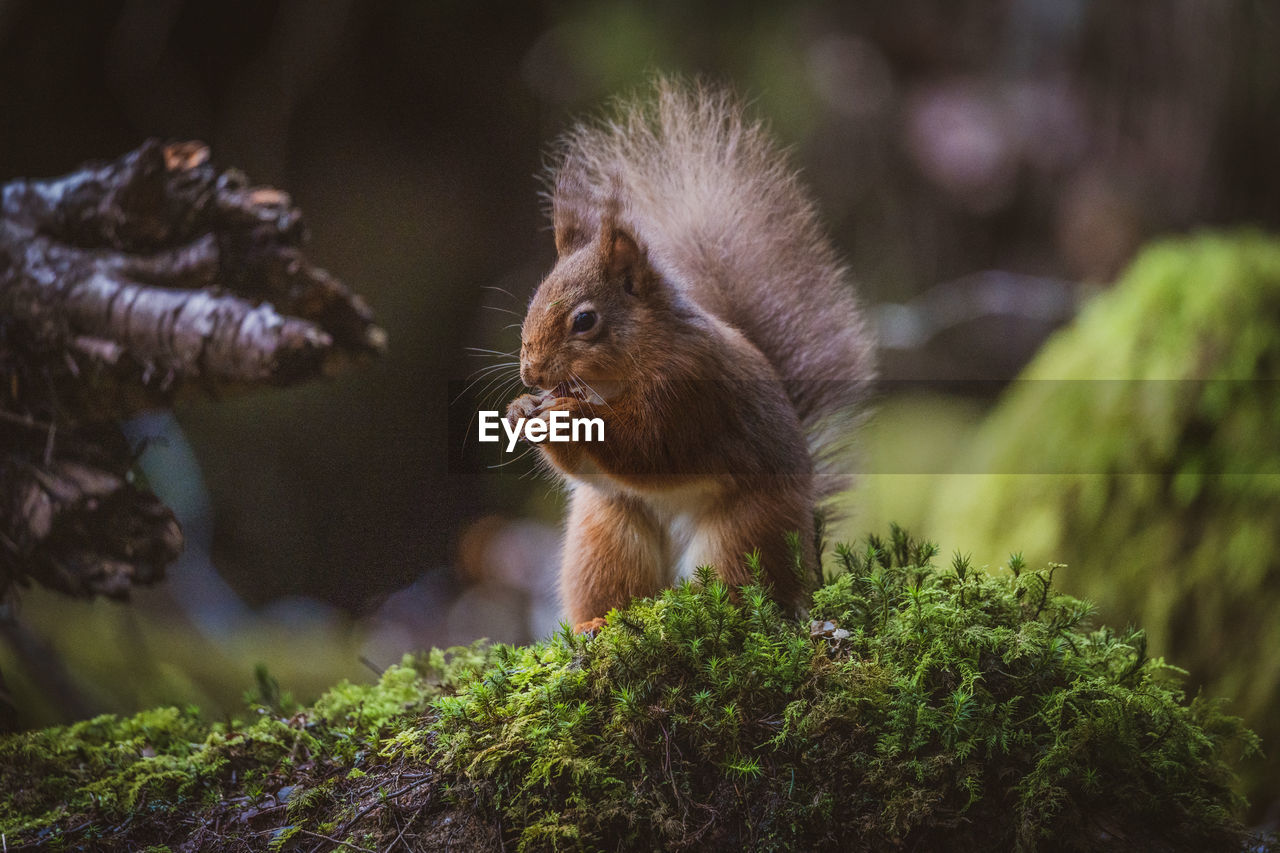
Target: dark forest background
x,y
983,166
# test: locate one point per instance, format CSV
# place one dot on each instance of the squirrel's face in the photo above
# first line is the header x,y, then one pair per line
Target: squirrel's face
x,y
585,318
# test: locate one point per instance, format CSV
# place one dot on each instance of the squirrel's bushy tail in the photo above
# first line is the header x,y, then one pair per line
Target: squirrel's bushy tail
x,y
724,217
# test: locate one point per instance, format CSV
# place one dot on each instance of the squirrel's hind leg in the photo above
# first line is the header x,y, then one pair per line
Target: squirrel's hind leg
x,y
759,519
612,553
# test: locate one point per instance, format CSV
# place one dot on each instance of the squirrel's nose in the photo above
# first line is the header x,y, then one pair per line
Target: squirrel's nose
x,y
531,376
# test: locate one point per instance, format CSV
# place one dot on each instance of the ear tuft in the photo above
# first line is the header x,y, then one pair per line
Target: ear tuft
x,y
569,217
570,233
569,238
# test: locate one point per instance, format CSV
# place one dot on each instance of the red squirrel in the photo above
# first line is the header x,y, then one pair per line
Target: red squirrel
x,y
698,309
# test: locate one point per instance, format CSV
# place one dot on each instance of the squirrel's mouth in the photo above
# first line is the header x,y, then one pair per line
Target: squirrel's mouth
x,y
581,391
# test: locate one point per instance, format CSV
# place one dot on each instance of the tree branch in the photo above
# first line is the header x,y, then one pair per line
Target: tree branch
x,y
122,286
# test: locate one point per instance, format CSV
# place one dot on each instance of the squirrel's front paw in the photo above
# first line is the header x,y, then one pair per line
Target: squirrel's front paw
x,y
537,406
523,408
534,407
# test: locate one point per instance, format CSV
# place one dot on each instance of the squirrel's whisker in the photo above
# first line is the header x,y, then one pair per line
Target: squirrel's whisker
x,y
500,309
483,373
501,290
498,381
494,368
483,351
514,460
590,404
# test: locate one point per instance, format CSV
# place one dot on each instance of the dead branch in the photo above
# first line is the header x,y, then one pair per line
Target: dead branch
x,y
122,286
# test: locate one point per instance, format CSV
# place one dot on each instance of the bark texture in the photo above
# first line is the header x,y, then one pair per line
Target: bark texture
x,y
122,286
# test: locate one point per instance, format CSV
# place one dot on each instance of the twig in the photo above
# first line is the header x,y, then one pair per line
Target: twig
x,y
335,841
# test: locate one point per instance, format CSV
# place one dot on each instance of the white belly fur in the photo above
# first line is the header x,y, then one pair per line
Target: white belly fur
x,y
683,515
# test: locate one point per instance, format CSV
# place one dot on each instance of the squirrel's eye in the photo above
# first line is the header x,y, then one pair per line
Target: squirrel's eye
x,y
584,321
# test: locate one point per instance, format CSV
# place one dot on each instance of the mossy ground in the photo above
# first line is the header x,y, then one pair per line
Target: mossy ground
x,y
927,707
281,778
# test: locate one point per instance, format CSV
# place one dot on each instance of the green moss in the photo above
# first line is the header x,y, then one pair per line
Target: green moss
x,y
941,709
1141,448
924,708
63,783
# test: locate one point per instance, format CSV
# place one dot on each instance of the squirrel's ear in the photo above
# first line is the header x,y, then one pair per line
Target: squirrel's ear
x,y
570,235
620,251
567,214
624,259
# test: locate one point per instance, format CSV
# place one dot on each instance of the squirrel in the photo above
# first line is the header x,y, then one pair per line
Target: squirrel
x,y
698,309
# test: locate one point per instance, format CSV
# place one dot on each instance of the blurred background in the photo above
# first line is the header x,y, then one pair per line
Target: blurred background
x,y
986,168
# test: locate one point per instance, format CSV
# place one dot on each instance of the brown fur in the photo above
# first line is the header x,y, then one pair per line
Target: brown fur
x,y
727,347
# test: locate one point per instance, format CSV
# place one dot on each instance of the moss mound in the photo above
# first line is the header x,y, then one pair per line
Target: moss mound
x,y
923,708
1153,422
